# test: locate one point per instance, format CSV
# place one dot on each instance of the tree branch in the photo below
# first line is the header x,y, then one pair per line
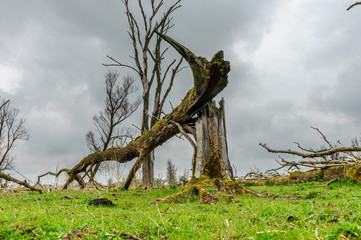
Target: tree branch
x,y
357,3
119,64
25,184
315,154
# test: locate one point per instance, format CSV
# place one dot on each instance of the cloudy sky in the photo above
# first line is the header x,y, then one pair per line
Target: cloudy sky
x,y
295,64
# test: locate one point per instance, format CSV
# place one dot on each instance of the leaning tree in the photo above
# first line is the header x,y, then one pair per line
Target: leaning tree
x,y
210,78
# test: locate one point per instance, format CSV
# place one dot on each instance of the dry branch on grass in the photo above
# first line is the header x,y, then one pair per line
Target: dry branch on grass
x,y
332,156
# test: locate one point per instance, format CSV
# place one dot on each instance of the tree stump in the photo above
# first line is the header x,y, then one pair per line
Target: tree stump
x,y
212,152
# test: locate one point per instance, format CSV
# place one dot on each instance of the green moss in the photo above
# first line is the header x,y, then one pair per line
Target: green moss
x,y
353,175
293,175
209,191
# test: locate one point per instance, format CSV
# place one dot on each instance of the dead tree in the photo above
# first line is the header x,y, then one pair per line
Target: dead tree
x,y
118,108
12,130
210,78
333,155
148,57
211,157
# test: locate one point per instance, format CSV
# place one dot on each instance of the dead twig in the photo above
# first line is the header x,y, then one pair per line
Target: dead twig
x,y
131,236
330,182
356,3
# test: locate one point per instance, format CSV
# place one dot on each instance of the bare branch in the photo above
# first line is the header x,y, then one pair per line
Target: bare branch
x,y
174,72
357,3
315,154
12,129
323,137
119,64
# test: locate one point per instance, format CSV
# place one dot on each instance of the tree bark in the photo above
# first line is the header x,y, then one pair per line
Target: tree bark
x,y
22,183
210,78
212,152
148,171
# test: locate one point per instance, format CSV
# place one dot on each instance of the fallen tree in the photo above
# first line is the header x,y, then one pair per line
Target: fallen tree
x,y
22,183
210,78
333,155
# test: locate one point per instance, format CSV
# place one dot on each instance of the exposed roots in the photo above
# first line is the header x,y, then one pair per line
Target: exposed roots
x,y
210,191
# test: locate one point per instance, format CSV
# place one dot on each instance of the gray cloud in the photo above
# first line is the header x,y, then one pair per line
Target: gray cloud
x,y
294,65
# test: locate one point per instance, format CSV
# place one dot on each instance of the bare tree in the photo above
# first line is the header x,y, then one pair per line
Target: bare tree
x,y
148,58
185,177
12,129
159,181
171,173
118,107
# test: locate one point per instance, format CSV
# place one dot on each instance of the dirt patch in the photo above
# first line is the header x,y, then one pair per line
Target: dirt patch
x,y
101,201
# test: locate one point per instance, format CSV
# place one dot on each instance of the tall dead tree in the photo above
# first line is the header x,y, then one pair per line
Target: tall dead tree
x,y
117,109
210,78
12,130
148,57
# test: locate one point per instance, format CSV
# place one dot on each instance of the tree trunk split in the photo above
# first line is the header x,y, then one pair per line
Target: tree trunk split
x,y
212,151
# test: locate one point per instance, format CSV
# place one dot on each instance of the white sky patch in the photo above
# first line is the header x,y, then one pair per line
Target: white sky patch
x,y
10,78
49,114
326,119
282,58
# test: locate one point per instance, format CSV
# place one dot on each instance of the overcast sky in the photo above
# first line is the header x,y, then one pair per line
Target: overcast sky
x,y
294,64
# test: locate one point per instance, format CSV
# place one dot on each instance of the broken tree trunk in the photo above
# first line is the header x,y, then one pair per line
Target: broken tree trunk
x,y
212,152
210,78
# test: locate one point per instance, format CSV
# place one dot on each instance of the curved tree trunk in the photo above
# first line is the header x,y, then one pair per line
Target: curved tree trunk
x,y
212,152
210,78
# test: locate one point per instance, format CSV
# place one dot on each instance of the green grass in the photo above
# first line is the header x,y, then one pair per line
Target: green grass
x,y
324,212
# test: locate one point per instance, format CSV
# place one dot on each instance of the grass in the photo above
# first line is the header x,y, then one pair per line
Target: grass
x,y
324,212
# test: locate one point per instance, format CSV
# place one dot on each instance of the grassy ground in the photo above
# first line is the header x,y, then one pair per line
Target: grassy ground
x,y
324,212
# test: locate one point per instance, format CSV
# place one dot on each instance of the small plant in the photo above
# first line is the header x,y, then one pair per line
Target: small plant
x,y
318,176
